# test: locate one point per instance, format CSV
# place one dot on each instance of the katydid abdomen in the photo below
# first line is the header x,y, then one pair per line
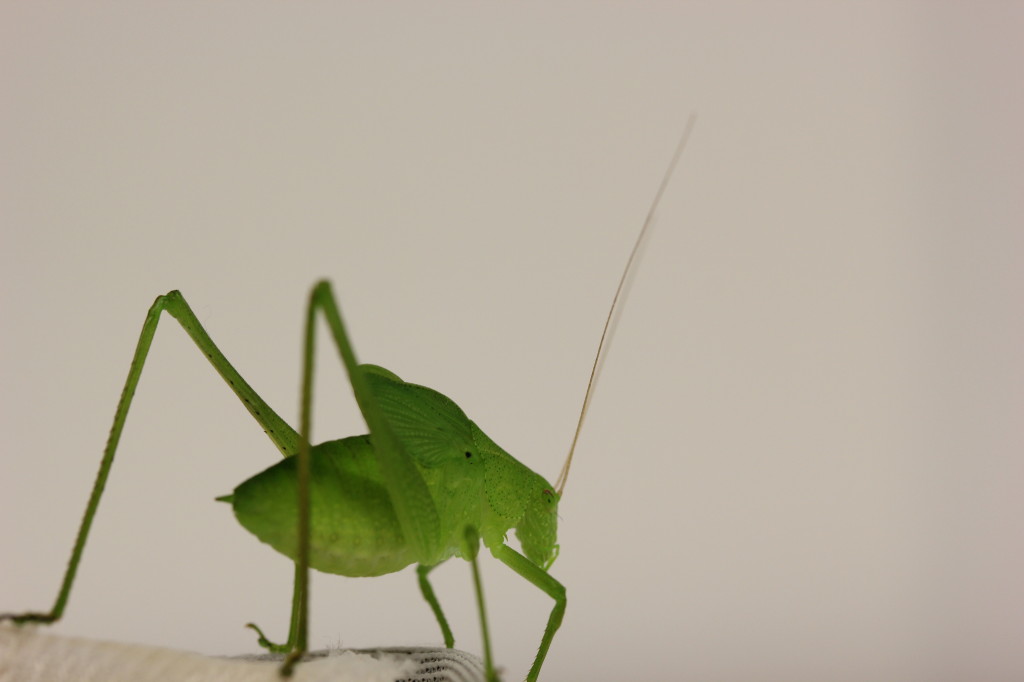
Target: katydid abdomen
x,y
354,530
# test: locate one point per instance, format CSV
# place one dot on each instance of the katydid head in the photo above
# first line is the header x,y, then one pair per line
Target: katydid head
x,y
537,532
517,498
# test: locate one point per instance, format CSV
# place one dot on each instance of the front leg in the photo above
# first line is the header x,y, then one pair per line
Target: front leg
x,y
539,577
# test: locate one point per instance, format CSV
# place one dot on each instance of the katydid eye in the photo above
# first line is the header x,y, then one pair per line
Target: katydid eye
x,y
468,454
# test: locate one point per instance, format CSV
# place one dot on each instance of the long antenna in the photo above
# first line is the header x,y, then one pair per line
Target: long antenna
x,y
596,369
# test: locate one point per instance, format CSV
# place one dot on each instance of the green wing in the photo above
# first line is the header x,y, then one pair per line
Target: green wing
x,y
430,425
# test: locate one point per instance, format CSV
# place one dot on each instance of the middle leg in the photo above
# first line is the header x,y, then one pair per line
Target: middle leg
x,y
428,593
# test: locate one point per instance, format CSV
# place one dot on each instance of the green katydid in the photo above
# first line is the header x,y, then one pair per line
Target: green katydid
x,y
424,485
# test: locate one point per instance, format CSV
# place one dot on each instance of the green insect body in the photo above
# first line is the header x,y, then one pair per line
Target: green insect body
x,y
354,530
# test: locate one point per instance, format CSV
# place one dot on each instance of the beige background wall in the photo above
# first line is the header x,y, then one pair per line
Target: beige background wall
x,y
804,461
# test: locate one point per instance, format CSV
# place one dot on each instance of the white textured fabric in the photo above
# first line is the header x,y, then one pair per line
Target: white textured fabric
x,y
30,654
